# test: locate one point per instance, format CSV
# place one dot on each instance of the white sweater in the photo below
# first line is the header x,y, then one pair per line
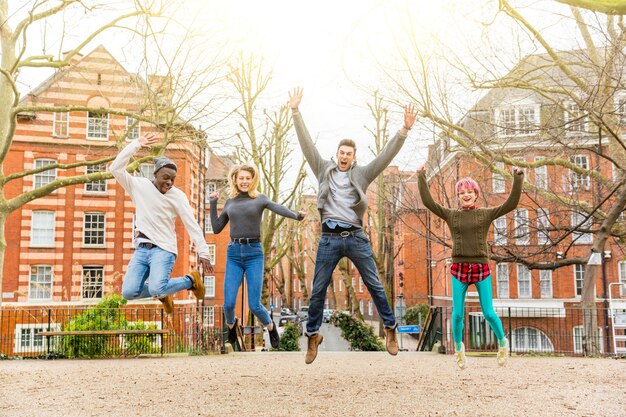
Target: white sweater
x,y
155,212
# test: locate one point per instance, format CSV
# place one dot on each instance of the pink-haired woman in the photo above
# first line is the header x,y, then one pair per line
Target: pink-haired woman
x,y
469,226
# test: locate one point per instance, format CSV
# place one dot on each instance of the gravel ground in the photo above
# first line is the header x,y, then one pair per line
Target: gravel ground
x,y
336,384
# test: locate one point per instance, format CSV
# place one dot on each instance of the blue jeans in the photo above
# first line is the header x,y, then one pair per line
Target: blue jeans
x,y
246,259
330,250
154,265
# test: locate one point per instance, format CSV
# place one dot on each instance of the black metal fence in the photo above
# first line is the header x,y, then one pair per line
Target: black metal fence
x,y
529,330
190,329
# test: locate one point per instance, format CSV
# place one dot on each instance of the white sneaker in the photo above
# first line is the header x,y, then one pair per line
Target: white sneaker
x,y
459,357
503,353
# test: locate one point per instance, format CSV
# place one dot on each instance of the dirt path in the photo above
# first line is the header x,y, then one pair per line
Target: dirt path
x,y
336,384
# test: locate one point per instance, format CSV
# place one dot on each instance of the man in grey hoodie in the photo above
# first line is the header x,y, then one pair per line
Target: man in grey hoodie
x,y
342,203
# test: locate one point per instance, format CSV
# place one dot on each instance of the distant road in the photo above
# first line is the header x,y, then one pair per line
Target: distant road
x,y
333,342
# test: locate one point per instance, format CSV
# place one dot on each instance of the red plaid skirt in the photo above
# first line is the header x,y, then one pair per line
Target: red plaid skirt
x,y
470,273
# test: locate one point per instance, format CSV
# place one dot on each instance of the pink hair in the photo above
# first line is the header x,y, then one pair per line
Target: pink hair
x,y
467,182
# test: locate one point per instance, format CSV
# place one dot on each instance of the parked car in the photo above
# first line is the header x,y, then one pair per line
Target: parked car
x,y
283,320
286,312
303,313
327,313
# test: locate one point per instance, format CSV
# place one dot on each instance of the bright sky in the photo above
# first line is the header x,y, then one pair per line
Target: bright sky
x,y
337,50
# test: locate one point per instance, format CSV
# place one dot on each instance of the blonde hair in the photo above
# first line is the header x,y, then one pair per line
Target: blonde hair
x,y
232,180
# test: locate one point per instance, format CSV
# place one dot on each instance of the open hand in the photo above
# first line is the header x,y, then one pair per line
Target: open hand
x,y
518,171
214,195
295,97
410,114
148,139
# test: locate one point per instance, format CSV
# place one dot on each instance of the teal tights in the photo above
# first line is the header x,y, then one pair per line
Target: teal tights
x,y
459,290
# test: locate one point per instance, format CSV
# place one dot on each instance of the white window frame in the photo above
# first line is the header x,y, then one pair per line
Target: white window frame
x,y
370,308
97,127
38,229
40,279
621,271
209,316
91,229
502,280
577,335
499,231
60,124
44,177
543,223
212,252
541,174
498,183
90,169
545,283
522,230
361,306
524,280
522,340
134,132
84,274
360,284
579,181
579,277
146,170
575,120
340,285
33,330
211,187
581,238
208,226
514,121
209,285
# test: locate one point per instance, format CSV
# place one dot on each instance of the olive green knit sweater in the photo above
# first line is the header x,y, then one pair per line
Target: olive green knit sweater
x,y
469,228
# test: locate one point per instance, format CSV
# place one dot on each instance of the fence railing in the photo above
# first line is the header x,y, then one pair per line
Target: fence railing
x,y
529,330
190,329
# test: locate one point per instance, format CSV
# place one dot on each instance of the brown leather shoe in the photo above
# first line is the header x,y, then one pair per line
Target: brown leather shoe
x,y
168,304
391,341
311,352
197,287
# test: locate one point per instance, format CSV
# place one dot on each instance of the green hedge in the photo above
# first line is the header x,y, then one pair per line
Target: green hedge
x,y
411,316
290,339
357,333
106,315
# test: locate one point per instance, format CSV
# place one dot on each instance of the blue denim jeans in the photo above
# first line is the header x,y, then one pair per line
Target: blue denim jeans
x,y
154,265
246,259
330,250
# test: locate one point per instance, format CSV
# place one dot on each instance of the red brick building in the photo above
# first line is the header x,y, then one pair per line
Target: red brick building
x,y
71,247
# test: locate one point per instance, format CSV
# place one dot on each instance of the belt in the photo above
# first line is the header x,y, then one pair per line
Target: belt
x,y
343,234
148,245
245,240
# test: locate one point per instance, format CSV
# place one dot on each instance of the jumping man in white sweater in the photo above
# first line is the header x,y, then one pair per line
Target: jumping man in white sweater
x,y
158,203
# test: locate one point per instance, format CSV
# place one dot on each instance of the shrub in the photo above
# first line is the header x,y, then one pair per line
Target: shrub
x,y
106,315
411,316
357,333
290,339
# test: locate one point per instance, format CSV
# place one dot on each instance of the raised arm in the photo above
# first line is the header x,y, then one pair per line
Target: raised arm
x,y
217,223
427,198
312,155
118,166
378,165
514,197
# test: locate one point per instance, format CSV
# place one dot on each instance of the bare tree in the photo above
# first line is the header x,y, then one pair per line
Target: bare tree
x,y
169,102
575,131
264,141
